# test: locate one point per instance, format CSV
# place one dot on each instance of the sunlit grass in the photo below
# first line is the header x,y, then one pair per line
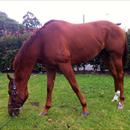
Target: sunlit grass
x,y
65,112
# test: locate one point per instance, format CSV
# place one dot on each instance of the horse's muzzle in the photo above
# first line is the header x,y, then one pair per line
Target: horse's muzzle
x,y
13,112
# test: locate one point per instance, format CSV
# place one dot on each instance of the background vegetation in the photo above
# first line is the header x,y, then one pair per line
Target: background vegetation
x,y
12,35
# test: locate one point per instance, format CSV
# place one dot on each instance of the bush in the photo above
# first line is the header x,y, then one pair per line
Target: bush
x,y
9,45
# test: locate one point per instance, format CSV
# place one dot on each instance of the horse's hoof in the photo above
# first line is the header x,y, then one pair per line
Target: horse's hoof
x,y
43,114
120,106
85,114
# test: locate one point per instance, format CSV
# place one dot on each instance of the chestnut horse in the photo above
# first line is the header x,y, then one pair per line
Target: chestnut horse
x,y
59,45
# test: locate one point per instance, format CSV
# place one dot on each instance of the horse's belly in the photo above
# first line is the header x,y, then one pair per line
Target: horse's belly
x,y
84,55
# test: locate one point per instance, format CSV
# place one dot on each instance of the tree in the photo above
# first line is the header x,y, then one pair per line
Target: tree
x,y
7,24
30,21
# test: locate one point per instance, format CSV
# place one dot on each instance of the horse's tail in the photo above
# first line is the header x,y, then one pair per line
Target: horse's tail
x,y
125,55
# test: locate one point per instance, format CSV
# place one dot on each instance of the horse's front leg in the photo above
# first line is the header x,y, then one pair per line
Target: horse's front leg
x,y
50,83
67,70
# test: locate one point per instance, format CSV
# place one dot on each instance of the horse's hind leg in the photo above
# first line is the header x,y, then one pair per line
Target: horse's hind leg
x,y
116,68
67,70
111,66
50,83
120,79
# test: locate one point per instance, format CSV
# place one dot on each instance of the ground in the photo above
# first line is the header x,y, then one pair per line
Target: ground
x,y
65,112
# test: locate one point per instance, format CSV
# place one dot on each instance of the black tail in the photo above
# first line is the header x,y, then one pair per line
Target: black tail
x,y
125,56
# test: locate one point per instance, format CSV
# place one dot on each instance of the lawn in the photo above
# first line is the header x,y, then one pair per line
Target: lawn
x,y
65,112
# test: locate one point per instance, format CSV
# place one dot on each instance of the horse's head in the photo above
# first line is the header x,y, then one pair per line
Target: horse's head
x,y
16,100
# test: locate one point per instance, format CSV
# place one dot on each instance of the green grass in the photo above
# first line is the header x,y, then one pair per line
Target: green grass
x,y
65,112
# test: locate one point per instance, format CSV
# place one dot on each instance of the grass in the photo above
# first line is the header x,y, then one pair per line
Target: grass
x,y
65,112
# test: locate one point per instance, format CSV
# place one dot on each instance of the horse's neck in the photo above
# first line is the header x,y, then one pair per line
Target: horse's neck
x,y
24,73
24,64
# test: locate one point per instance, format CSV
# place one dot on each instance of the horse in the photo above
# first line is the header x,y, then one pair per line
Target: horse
x,y
57,46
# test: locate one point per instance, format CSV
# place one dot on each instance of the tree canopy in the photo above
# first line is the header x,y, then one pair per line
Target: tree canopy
x,y
8,24
30,21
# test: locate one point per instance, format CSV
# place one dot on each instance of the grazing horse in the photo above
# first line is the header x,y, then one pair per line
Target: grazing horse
x,y
59,45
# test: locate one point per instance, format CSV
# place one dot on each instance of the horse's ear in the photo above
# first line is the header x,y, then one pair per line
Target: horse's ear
x,y
9,77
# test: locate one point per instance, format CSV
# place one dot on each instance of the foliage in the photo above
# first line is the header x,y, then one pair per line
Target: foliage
x,y
7,24
9,45
65,112
12,35
30,21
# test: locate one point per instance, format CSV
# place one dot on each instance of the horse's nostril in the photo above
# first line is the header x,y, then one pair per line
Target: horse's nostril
x,y
14,113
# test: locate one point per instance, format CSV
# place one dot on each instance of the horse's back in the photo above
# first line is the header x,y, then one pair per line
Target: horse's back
x,y
81,42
